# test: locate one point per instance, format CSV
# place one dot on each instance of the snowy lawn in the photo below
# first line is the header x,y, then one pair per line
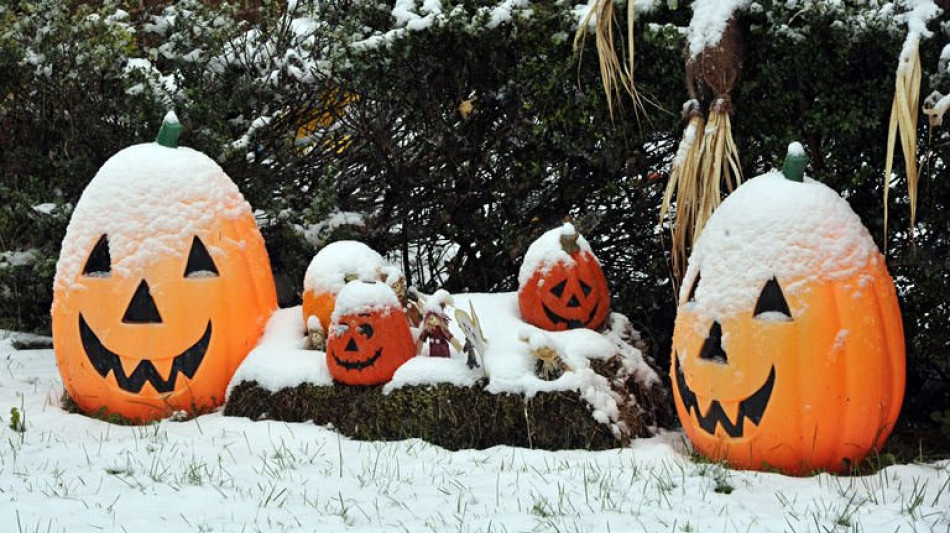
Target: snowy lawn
x,y
67,472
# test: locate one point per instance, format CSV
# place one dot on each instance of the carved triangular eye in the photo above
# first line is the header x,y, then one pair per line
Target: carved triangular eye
x,y
99,263
771,300
366,330
558,290
200,264
692,290
585,288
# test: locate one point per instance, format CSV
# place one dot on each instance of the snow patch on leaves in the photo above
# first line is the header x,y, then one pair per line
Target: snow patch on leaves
x,y
317,234
18,258
409,16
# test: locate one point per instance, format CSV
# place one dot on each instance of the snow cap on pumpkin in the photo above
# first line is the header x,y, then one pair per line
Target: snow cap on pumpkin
x,y
150,200
548,250
364,297
339,262
797,232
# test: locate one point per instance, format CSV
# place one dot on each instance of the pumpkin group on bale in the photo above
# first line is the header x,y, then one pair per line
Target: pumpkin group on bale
x,y
369,336
788,348
561,285
163,284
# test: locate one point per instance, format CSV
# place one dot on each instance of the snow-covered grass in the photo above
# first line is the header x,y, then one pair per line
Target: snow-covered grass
x,y
67,472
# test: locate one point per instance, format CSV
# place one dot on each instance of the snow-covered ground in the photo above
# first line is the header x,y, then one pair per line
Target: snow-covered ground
x,y
67,472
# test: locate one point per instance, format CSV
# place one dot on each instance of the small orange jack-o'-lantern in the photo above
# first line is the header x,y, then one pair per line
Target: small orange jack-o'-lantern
x,y
334,266
561,284
788,350
162,287
369,335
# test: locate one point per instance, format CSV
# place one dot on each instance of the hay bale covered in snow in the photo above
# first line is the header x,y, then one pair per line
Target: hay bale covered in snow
x,y
610,395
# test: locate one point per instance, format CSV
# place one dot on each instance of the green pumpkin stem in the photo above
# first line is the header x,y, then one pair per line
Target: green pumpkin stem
x,y
169,132
795,163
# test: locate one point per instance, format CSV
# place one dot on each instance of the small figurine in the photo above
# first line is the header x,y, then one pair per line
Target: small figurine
x,y
316,337
414,304
471,360
394,277
476,345
550,365
435,326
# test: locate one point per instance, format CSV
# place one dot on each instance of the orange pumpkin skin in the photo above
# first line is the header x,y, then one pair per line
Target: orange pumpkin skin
x,y
144,338
320,305
815,384
365,347
566,296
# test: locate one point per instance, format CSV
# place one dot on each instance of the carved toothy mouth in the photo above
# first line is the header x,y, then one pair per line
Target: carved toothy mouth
x,y
359,365
752,408
105,361
570,323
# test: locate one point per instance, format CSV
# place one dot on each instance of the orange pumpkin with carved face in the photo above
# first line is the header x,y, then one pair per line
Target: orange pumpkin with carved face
x,y
369,335
162,287
561,283
788,349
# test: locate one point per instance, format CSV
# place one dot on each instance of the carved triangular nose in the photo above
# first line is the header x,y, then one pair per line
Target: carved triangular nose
x,y
351,346
142,308
573,302
712,348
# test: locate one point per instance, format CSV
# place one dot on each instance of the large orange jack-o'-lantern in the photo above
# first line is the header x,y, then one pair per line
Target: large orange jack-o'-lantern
x,y
561,284
163,284
788,349
369,335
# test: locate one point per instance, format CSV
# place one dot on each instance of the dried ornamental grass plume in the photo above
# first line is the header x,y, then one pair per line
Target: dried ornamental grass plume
x,y
616,72
683,180
719,165
904,121
906,101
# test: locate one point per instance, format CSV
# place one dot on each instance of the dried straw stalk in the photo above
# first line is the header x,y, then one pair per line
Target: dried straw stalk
x,y
683,183
720,163
616,73
904,120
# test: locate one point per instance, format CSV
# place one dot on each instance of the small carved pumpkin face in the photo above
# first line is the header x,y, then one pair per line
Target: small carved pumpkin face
x,y
778,367
368,343
145,325
567,293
